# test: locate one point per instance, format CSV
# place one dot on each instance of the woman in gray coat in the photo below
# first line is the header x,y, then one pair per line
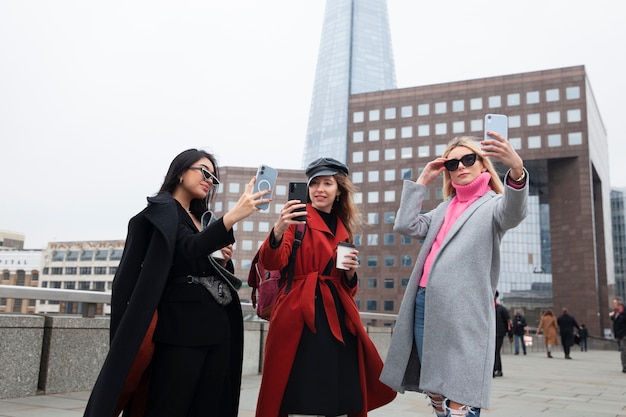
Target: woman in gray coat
x,y
444,343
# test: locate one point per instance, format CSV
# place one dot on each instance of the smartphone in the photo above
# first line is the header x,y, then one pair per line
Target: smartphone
x,y
496,123
299,191
265,180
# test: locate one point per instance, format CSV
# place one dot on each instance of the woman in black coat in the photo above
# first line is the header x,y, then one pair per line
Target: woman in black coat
x,y
567,324
176,323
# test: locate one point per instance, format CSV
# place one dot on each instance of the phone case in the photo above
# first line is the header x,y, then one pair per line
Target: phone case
x,y
298,191
265,180
496,123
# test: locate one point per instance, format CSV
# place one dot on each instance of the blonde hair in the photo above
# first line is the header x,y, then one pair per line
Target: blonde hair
x,y
472,143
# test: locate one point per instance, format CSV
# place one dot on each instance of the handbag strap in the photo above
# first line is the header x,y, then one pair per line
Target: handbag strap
x,y
297,241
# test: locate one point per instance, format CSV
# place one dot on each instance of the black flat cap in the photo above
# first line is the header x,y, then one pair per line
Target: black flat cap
x,y
325,166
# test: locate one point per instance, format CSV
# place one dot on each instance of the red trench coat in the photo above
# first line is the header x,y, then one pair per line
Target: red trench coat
x,y
297,309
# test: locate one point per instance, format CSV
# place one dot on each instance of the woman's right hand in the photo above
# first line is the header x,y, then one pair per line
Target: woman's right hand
x,y
246,205
431,171
286,217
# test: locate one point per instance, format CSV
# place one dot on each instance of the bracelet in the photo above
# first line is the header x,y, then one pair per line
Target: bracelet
x,y
521,177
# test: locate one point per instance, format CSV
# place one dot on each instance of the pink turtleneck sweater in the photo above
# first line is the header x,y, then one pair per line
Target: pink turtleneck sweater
x,y
465,196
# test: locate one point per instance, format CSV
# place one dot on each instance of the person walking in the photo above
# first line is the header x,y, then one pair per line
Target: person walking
x,y
519,331
443,343
618,317
567,323
319,359
550,330
584,334
176,338
503,329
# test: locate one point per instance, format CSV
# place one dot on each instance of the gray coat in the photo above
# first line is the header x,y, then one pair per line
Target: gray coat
x,y
459,328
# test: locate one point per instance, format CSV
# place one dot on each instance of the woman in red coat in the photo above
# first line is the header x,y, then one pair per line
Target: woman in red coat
x,y
318,358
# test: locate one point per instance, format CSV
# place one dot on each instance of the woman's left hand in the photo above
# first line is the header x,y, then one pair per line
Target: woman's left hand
x,y
227,253
351,261
500,148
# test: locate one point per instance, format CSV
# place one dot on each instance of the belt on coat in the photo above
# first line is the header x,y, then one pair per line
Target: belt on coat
x,y
308,302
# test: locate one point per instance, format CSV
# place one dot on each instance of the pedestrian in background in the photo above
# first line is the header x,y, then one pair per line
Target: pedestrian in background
x,y
550,330
503,328
519,330
567,323
618,317
584,334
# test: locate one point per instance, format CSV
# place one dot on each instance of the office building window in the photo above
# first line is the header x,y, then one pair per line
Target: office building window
x,y
441,107
495,101
372,239
458,127
372,197
85,270
86,255
513,99
372,261
515,121
476,103
423,109
552,95
373,176
233,187
371,305
533,119
573,116
390,133
246,244
358,117
389,196
373,135
390,175
534,142
406,260
406,153
441,128
532,97
476,125
116,255
357,137
405,240
407,173
439,149
423,130
458,105
390,260
372,218
373,155
553,117
572,93
100,270
58,256
575,138
389,217
423,151
516,143
357,156
388,283
390,154
264,226
390,113
388,305
357,177
406,132
406,111
374,115
554,140
71,270
72,256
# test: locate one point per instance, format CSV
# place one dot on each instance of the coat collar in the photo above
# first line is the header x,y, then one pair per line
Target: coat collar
x,y
316,222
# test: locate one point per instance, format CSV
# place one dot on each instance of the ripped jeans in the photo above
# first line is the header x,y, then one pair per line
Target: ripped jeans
x,y
418,332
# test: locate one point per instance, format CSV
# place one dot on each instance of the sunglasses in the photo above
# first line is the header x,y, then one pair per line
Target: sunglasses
x,y
467,160
207,175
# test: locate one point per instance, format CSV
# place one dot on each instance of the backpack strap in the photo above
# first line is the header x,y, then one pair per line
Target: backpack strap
x,y
297,241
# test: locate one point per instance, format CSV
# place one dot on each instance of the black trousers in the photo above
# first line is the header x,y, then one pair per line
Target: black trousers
x,y
189,381
497,364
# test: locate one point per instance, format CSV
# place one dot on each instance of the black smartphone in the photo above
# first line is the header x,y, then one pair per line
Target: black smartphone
x,y
299,191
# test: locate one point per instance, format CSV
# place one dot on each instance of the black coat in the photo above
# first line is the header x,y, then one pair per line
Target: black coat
x,y
567,324
519,325
503,321
138,288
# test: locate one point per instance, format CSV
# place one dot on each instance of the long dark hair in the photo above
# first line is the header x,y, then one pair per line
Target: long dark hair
x,y
179,165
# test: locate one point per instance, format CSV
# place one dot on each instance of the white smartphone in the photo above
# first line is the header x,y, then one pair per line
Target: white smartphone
x,y
496,123
265,180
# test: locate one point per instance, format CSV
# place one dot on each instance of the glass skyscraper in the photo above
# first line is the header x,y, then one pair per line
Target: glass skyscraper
x,y
355,56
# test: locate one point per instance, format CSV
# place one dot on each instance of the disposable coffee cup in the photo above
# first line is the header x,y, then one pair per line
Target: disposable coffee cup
x,y
217,254
343,250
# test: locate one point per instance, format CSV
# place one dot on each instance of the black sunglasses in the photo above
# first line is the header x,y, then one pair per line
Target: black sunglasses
x,y
467,160
207,175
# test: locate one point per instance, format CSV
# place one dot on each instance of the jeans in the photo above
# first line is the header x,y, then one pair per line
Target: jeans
x,y
420,303
519,339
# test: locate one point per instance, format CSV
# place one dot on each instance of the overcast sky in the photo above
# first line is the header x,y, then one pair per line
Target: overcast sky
x,y
97,97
